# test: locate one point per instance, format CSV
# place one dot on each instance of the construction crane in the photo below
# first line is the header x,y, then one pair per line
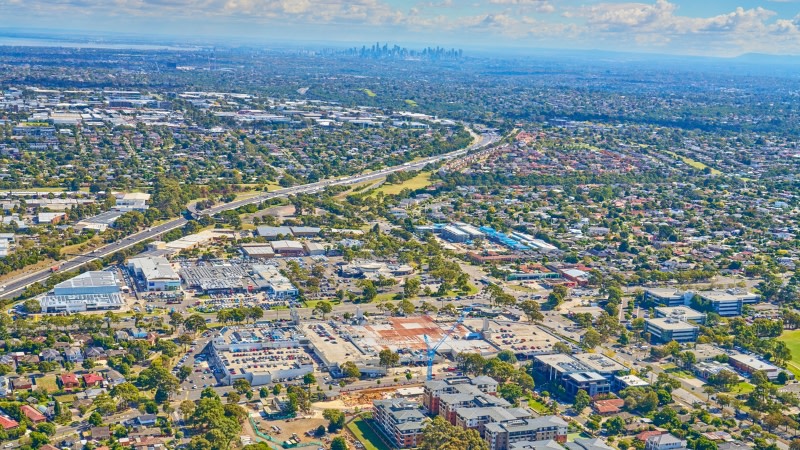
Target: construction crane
x,y
431,352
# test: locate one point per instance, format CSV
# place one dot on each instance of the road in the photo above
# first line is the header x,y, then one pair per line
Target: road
x,y
16,286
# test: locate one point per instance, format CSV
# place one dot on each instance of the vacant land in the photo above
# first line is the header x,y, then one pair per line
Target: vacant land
x,y
47,382
370,93
423,179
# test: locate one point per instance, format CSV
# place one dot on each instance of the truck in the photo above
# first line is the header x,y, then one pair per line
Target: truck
x,y
54,269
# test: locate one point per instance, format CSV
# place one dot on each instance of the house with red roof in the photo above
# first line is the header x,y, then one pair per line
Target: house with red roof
x,y
8,423
33,414
610,406
70,381
92,379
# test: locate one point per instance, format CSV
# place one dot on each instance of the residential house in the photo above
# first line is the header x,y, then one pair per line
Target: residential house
x,y
93,380
100,433
96,353
51,355
114,378
22,384
5,387
665,441
70,381
146,420
7,422
33,414
73,355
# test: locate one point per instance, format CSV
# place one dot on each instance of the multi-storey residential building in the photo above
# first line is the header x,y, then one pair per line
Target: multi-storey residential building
x,y
400,420
434,389
478,418
501,435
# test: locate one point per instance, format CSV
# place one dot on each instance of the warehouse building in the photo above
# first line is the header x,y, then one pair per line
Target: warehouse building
x,y
89,291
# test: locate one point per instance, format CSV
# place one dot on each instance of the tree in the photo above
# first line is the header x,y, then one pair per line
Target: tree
x,y
350,370
407,307
532,309
335,419
615,425
95,419
561,347
339,443
242,386
195,323
582,400
438,434
323,308
511,392
388,358
591,339
411,287
309,379
32,306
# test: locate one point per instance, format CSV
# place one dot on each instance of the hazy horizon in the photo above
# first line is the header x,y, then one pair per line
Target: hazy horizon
x,y
679,27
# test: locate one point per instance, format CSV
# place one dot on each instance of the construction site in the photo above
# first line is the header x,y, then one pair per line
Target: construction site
x,y
410,337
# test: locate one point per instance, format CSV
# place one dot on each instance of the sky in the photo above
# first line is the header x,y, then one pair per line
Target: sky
x,y
686,27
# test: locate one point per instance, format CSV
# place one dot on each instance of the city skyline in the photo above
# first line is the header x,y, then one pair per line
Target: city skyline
x,y
713,28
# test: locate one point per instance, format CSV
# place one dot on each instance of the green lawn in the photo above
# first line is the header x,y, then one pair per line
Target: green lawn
x,y
423,179
792,340
366,435
538,406
743,388
313,303
411,103
47,382
66,398
369,93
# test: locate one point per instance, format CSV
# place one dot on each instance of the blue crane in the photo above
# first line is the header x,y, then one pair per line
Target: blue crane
x,y
431,352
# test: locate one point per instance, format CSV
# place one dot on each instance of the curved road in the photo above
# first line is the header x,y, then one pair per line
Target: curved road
x,y
16,286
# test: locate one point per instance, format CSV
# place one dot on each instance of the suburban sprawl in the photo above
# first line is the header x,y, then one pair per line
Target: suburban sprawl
x,y
387,248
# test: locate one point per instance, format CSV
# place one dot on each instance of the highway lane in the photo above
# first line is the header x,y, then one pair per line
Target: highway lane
x,y
16,286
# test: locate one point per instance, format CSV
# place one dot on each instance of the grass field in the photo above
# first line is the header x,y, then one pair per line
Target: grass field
x,y
792,340
366,435
47,382
411,103
743,388
423,179
538,406
696,164
369,93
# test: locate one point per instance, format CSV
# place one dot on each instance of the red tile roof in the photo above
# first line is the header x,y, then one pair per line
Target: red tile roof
x,y
69,378
92,378
8,423
32,413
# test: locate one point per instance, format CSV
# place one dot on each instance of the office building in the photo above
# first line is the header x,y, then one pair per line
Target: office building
x,y
668,297
729,303
683,313
670,329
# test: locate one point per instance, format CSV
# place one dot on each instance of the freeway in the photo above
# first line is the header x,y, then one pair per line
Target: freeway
x,y
16,286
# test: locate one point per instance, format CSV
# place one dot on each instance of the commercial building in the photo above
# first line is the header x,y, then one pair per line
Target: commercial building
x,y
622,382
269,279
133,201
260,354
274,233
258,251
453,234
501,435
729,303
155,273
400,421
664,330
683,313
89,291
314,249
749,365
668,297
592,382
288,248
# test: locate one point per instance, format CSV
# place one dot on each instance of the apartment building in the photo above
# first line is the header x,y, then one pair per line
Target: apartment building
x,y
400,420
434,389
501,435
